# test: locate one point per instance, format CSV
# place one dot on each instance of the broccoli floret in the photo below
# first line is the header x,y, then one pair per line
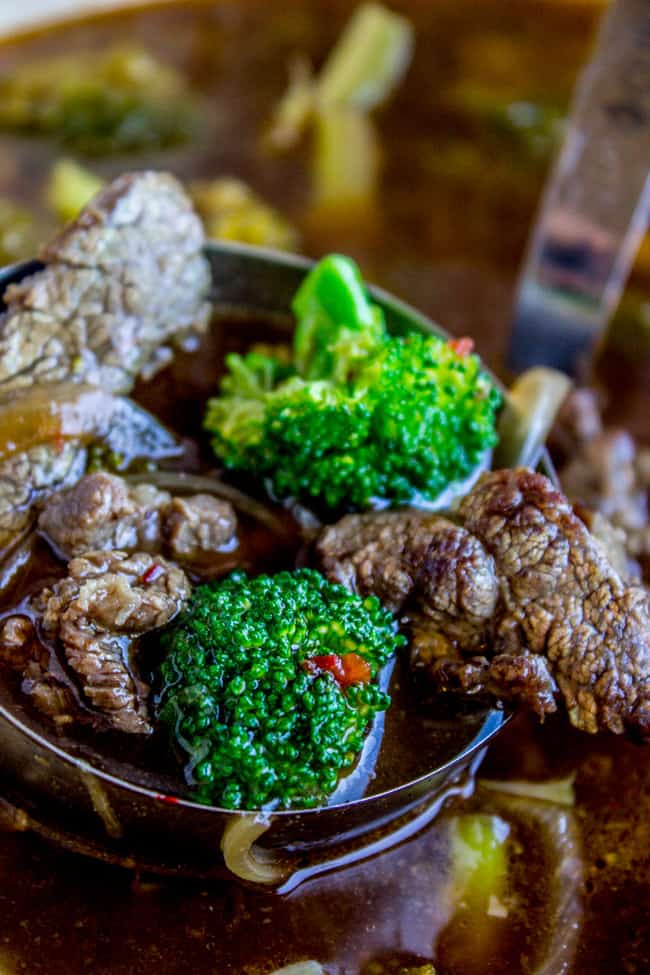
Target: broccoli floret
x,y
363,417
269,686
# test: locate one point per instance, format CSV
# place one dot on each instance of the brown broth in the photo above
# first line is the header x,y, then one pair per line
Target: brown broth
x,y
447,234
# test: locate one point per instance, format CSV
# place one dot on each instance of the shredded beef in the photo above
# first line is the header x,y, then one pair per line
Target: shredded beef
x,y
103,512
561,625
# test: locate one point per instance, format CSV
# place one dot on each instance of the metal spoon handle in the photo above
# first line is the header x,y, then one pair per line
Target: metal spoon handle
x,y
595,209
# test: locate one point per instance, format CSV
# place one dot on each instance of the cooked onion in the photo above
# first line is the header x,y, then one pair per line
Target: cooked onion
x,y
100,802
561,837
176,481
559,791
67,411
531,407
301,968
241,856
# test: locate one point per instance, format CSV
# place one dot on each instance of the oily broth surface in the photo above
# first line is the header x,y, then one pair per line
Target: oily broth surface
x,y
448,241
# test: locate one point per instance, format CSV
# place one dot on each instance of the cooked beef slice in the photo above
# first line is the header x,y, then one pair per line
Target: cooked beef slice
x,y
604,470
415,559
23,652
102,513
106,601
29,476
121,282
563,624
198,525
561,598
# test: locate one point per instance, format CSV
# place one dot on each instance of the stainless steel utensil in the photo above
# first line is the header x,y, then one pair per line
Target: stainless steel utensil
x,y
596,206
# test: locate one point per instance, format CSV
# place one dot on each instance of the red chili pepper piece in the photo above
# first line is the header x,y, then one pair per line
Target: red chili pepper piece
x,y
153,572
463,346
169,800
346,670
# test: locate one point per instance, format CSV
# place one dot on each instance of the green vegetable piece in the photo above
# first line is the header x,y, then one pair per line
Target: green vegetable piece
x,y
362,416
336,320
121,99
369,60
231,210
69,188
479,858
257,725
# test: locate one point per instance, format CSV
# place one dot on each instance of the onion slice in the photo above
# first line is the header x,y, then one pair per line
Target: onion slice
x,y
528,415
301,968
241,856
69,411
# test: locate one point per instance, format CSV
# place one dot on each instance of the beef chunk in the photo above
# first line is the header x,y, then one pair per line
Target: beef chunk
x,y
197,526
27,477
106,601
415,559
561,598
23,652
103,512
120,283
550,617
605,471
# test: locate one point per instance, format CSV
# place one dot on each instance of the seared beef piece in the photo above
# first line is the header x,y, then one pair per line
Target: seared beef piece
x,y
564,621
604,470
415,559
524,680
122,281
106,601
103,512
21,650
561,598
27,477
577,422
195,526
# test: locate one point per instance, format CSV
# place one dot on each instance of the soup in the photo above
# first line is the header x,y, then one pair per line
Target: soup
x,y
393,911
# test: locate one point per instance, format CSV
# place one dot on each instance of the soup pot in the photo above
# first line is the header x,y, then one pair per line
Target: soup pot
x,y
88,803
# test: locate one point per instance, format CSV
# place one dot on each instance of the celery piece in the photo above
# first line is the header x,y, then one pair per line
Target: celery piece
x,y
69,188
230,210
369,59
479,859
345,158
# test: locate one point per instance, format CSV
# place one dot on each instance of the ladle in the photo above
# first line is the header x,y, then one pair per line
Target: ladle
x,y
93,806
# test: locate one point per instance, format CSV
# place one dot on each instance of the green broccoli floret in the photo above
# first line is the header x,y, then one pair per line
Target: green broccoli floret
x,y
269,686
363,417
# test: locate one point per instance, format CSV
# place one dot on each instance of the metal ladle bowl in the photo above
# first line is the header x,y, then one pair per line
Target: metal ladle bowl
x,y
93,809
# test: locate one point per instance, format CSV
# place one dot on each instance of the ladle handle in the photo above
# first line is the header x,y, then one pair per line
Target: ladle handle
x,y
595,209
